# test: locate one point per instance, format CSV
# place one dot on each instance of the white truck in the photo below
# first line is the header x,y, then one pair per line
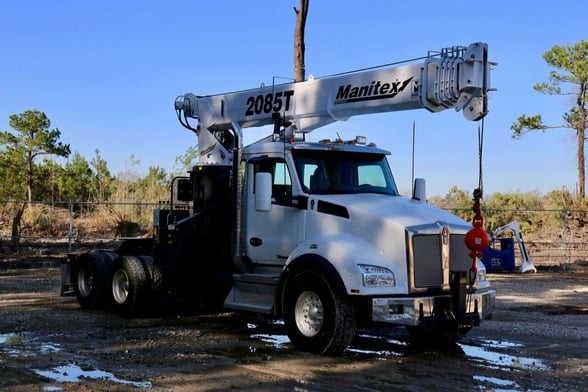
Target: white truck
x,y
314,233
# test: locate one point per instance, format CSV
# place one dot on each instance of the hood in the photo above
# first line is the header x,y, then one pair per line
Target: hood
x,y
402,211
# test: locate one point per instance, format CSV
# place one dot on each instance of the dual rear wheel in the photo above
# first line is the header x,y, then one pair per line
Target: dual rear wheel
x,y
130,289
91,274
104,279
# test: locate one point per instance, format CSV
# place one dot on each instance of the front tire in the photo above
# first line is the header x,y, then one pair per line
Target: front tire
x,y
130,287
317,318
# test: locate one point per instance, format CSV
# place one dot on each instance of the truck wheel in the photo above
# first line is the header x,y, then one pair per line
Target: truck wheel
x,y
317,318
129,285
91,281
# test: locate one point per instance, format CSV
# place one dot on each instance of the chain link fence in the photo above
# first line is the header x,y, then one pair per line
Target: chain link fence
x,y
50,228
551,237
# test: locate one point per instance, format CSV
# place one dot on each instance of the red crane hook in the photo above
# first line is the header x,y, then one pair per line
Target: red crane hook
x,y
476,239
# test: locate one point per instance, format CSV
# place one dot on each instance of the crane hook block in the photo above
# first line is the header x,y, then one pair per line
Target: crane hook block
x,y
477,239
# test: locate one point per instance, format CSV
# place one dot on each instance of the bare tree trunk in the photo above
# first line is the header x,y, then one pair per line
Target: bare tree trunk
x,y
581,130
581,166
299,66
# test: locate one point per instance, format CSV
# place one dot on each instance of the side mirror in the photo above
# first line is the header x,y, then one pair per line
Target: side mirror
x,y
419,191
181,192
184,191
263,191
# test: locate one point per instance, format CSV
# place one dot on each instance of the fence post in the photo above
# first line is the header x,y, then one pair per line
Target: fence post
x,y
564,237
70,234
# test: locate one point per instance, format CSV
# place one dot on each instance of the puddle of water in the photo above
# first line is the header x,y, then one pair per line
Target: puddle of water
x,y
280,341
11,338
47,348
373,341
277,341
383,347
25,345
493,358
73,373
378,353
493,381
500,343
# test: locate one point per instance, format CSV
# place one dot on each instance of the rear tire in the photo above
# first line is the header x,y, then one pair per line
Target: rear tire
x,y
317,318
130,289
91,283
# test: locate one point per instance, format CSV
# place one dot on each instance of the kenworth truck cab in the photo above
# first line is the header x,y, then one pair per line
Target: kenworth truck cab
x,y
315,233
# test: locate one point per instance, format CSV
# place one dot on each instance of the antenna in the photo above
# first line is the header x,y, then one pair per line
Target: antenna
x,y
413,143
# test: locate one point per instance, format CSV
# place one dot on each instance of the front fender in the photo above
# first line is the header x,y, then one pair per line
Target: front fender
x,y
344,252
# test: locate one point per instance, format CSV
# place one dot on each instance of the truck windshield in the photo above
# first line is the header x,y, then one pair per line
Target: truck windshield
x,y
337,172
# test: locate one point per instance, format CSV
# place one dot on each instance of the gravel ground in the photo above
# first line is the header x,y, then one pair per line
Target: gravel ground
x,y
536,341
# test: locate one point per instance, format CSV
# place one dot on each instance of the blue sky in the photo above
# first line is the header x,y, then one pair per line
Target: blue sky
x,y
107,72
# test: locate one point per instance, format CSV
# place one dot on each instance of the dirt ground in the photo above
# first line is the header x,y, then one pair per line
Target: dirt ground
x,y
536,341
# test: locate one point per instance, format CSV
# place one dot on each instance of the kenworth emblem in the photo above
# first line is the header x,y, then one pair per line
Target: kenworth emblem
x,y
445,235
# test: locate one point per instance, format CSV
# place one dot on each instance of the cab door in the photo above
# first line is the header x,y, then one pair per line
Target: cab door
x,y
272,235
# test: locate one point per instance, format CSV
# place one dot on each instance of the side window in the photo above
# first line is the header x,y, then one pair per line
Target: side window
x,y
307,172
281,180
281,175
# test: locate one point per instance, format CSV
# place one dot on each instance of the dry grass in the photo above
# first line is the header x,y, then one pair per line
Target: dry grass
x,y
41,220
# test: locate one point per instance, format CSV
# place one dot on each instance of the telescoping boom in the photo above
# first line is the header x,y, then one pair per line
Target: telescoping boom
x,y
454,78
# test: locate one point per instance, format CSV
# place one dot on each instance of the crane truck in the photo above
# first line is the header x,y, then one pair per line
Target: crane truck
x,y
312,233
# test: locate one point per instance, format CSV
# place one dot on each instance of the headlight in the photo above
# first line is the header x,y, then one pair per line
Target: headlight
x,y
481,272
482,275
376,276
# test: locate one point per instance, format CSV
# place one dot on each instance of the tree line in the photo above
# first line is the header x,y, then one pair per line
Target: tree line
x,y
29,172
25,177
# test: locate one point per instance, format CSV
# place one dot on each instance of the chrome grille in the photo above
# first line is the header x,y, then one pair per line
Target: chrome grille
x,y
427,262
460,259
427,259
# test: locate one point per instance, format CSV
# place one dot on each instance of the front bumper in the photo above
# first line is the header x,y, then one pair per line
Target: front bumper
x,y
412,311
